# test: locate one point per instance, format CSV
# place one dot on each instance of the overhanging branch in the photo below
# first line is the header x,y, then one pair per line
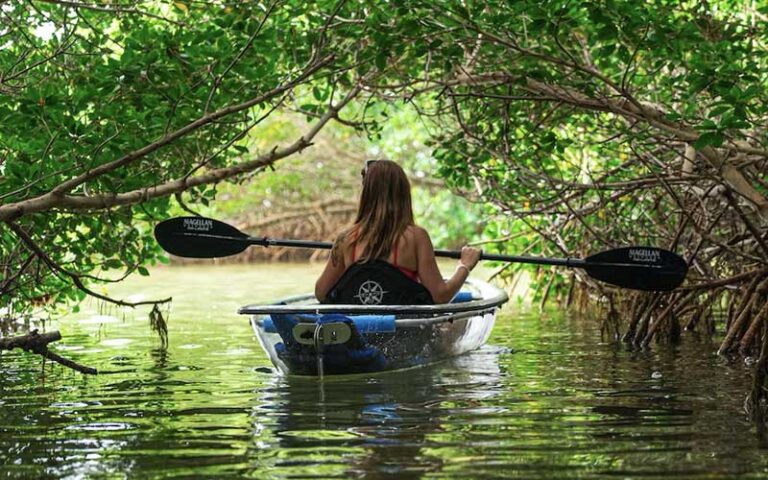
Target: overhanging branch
x,y
52,199
76,280
172,187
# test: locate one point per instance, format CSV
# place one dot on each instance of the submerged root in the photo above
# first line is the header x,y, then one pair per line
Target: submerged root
x,y
610,327
757,401
644,317
745,346
742,304
745,314
664,316
668,318
703,311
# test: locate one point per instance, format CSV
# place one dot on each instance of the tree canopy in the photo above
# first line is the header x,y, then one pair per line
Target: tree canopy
x,y
598,124
114,109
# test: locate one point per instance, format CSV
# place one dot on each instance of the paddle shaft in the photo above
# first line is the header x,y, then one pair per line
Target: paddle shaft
x,y
274,242
565,262
636,267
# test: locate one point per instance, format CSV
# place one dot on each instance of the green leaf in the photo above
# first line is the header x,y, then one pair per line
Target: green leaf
x,y
320,95
112,263
714,139
718,110
381,60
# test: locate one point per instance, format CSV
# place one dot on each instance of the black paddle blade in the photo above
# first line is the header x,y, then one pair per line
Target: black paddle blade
x,y
638,268
199,237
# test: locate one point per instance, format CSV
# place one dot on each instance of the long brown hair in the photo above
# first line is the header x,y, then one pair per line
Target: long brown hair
x,y
384,211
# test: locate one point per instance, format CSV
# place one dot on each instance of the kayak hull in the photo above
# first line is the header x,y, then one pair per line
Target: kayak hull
x,y
302,337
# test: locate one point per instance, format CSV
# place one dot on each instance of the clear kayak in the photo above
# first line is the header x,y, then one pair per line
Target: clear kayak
x,y
304,337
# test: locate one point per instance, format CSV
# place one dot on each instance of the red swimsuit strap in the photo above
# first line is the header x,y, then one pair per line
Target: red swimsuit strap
x,y
412,274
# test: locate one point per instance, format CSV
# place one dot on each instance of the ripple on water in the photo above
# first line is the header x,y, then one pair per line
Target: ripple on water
x,y
101,426
72,405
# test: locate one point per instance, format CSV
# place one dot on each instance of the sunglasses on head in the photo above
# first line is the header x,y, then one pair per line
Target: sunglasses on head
x,y
368,163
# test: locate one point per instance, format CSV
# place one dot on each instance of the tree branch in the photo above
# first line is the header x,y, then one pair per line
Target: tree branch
x,y
53,198
38,343
76,280
95,202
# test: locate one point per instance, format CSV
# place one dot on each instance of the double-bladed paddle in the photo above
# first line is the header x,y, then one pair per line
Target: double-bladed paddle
x,y
638,268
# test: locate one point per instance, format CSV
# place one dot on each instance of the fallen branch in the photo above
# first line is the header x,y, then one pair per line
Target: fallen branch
x,y
38,343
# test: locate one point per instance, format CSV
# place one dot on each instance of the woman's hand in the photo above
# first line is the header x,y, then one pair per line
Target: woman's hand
x,y
470,256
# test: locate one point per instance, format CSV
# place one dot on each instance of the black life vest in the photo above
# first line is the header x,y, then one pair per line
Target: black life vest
x,y
377,282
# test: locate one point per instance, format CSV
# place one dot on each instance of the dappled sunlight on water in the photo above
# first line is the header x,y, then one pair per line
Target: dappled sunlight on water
x,y
545,399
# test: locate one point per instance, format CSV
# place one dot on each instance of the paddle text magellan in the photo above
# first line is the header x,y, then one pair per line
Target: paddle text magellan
x,y
644,255
198,224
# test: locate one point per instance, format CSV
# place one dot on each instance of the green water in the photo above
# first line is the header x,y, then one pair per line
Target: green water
x,y
544,399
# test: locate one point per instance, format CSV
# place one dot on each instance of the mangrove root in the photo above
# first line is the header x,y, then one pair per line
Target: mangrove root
x,y
756,401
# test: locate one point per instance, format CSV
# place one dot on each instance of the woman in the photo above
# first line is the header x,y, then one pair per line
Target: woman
x,y
384,258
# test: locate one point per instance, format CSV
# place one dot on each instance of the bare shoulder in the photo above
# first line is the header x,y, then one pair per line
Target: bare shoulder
x,y
340,246
340,239
344,238
414,231
419,234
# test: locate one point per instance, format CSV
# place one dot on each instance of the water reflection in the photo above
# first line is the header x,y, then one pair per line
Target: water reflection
x,y
381,423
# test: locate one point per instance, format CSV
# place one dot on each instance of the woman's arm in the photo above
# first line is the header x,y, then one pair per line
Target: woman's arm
x,y
442,291
333,270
